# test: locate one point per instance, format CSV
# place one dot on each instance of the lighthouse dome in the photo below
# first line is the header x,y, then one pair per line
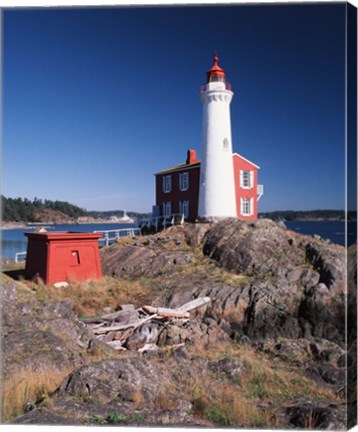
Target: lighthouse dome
x,y
216,73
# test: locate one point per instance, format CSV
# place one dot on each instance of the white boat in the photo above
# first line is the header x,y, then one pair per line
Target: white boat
x,y
125,219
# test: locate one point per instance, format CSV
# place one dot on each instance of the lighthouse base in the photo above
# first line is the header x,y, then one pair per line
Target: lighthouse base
x,y
213,219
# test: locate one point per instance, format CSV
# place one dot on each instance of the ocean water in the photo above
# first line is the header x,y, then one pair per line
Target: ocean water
x,y
328,230
13,240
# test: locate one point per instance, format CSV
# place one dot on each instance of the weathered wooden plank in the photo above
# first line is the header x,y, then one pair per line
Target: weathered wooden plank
x,y
165,312
117,345
194,304
124,334
124,326
149,347
109,336
122,315
98,325
107,329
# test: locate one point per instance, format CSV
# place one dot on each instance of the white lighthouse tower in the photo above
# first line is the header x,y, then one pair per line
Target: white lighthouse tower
x,y
217,188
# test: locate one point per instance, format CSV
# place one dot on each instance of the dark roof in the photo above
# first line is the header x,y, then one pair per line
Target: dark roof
x,y
184,166
179,167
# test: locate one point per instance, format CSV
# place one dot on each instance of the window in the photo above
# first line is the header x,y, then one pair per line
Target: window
x,y
226,144
184,181
247,179
167,209
75,258
246,206
184,208
167,183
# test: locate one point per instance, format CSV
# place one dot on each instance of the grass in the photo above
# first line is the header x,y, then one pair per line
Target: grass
x,y
28,386
163,401
226,405
113,419
90,298
116,418
251,401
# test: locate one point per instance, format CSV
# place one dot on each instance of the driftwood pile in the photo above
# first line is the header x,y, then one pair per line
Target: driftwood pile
x,y
138,329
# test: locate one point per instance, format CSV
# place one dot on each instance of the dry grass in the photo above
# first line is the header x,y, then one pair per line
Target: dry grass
x,y
138,397
164,402
244,402
90,298
28,386
125,241
227,405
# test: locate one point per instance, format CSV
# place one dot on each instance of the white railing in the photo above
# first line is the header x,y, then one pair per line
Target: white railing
x,y
260,191
113,235
107,237
163,221
18,255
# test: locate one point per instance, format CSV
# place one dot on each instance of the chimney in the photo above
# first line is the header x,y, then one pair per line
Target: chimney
x,y
192,157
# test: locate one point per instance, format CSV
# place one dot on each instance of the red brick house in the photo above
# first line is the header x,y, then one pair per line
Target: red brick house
x,y
177,189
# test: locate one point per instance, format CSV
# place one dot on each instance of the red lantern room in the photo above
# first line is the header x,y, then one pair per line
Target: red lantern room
x,y
215,73
63,256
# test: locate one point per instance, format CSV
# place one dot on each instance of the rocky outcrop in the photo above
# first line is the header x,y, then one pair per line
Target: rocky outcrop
x,y
277,298
260,247
137,260
115,379
298,283
307,415
291,285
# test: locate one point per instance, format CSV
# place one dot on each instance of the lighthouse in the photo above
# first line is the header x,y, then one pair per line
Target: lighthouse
x,y
222,184
217,189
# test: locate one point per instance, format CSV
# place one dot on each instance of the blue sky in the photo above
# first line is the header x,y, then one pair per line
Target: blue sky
x,y
97,100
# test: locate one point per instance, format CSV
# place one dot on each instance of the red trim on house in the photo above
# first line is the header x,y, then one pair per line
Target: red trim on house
x,y
241,164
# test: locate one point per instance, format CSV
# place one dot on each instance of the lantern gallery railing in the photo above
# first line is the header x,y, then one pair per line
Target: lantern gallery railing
x,y
109,236
203,87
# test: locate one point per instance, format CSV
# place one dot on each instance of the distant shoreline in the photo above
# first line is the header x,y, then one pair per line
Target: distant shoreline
x,y
13,225
23,225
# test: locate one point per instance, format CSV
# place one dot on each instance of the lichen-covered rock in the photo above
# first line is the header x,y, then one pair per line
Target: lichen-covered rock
x,y
44,417
125,379
135,260
306,415
257,247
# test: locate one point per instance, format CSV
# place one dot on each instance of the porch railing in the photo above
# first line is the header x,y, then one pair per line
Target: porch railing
x,y
18,256
109,236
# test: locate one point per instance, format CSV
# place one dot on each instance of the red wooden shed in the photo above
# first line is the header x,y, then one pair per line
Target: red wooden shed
x,y
62,256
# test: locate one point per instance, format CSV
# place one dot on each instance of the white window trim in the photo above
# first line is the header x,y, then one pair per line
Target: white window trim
x,y
186,208
167,209
251,179
251,206
249,203
167,183
184,181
